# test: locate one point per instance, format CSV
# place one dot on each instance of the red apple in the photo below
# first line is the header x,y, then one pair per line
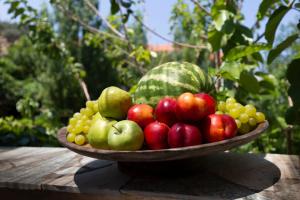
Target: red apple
x,y
210,102
142,114
165,111
194,107
182,135
217,127
156,135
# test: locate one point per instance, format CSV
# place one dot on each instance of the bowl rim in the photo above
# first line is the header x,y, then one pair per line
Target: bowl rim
x,y
151,154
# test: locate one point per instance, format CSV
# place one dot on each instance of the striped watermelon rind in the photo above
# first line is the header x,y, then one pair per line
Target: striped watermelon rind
x,y
171,79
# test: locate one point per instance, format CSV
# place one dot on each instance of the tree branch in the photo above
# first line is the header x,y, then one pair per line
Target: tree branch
x,y
201,7
259,37
94,9
129,46
85,89
85,25
168,40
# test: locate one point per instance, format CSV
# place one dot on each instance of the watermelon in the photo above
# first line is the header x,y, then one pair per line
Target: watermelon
x,y
171,79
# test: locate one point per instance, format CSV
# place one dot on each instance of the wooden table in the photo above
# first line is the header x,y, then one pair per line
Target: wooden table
x,y
57,173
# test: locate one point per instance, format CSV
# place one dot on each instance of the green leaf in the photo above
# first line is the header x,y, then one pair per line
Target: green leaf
x,y
249,82
13,6
263,7
293,72
219,19
244,30
281,47
228,26
215,39
273,23
126,4
114,8
242,50
297,5
292,115
232,70
18,12
258,57
267,81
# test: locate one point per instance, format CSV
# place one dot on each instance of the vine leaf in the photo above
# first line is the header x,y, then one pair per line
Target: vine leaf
x,y
249,82
263,8
233,70
243,50
114,8
215,39
220,18
273,23
281,47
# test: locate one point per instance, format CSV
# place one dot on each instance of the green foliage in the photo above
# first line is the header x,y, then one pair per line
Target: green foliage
x,y
26,132
281,47
274,21
243,50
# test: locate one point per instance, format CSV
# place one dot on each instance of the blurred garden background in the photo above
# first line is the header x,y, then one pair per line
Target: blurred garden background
x,y
56,54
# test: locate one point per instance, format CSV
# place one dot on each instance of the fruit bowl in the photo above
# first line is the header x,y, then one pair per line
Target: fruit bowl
x,y
163,154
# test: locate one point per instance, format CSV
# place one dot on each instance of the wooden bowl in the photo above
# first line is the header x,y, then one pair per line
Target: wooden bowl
x,y
164,154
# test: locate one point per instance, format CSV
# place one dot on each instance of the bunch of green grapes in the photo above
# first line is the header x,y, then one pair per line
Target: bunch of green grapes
x,y
246,117
80,123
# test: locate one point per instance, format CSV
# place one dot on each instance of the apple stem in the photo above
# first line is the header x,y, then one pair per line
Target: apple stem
x,y
116,129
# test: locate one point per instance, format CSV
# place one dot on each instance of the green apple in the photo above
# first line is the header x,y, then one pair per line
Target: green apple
x,y
98,133
114,103
125,135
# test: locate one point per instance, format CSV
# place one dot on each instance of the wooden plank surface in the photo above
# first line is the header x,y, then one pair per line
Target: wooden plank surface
x,y
60,173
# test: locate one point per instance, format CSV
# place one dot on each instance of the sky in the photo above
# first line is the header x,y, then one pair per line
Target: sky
x,y
157,14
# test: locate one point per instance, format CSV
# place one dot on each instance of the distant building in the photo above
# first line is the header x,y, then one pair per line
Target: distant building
x,y
168,48
161,47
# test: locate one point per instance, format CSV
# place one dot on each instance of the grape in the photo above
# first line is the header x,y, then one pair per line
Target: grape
x,y
72,130
238,123
88,122
250,110
222,106
260,117
235,113
245,128
84,118
69,127
230,100
72,121
219,112
77,129
79,139
229,106
80,123
77,115
85,129
252,121
82,110
240,107
88,112
89,104
244,118
71,137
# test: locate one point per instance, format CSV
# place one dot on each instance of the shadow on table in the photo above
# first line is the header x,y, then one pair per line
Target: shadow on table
x,y
223,175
